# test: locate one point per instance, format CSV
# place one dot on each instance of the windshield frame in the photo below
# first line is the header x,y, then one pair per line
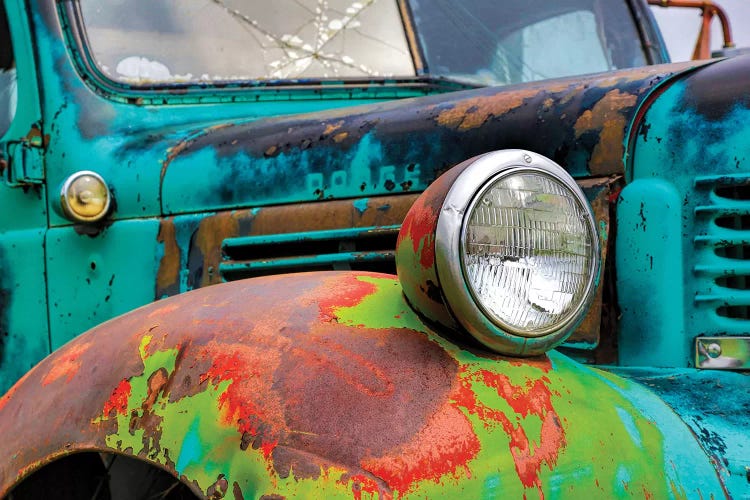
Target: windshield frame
x,y
70,14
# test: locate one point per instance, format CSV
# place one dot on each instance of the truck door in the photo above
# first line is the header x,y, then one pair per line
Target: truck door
x,y
24,337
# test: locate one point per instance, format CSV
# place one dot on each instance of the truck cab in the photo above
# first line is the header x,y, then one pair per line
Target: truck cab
x,y
565,210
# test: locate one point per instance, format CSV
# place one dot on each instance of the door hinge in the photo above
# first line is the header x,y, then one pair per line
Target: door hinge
x,y
22,164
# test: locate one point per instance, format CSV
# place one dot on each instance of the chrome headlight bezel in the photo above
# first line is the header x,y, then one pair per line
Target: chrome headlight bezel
x,y
460,200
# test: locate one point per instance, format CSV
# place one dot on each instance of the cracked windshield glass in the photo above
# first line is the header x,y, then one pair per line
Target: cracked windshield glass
x,y
480,42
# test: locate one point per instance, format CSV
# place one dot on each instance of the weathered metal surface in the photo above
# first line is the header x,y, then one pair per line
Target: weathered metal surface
x,y
581,123
24,337
194,243
715,406
682,219
327,384
130,138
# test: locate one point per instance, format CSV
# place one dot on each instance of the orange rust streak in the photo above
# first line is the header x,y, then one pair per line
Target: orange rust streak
x,y
444,446
471,113
606,119
66,366
211,233
156,383
169,267
333,127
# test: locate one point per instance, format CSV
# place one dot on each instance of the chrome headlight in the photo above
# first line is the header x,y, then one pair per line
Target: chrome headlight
x,y
516,252
85,197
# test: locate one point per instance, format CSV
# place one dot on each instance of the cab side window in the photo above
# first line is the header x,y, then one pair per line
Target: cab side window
x,y
8,87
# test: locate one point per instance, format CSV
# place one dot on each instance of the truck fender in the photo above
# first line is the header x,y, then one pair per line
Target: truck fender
x,y
328,384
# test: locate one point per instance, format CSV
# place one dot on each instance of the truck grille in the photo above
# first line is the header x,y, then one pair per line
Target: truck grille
x,y
722,253
361,248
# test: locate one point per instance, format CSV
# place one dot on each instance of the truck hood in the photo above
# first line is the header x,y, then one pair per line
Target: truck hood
x,y
582,123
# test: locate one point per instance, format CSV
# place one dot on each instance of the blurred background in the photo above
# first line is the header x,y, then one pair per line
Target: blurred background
x,y
680,27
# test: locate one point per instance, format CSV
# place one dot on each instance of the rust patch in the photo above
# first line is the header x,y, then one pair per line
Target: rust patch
x,y
211,232
156,383
472,113
383,405
168,275
347,294
599,192
333,127
447,434
608,119
217,490
340,137
237,492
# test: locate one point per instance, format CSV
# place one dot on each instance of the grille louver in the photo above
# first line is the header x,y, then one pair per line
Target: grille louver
x,y
722,253
366,248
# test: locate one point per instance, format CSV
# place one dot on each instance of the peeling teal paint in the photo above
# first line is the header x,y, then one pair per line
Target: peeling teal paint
x,y
361,204
191,449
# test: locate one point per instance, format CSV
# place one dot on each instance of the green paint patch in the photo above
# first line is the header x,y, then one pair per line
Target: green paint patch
x,y
385,308
539,427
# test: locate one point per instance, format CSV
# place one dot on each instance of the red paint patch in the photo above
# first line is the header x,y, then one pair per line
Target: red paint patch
x,y
66,365
445,446
419,227
118,400
237,410
238,402
348,292
532,398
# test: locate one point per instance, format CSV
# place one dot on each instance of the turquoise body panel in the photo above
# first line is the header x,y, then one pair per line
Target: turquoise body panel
x,y
685,211
98,278
649,255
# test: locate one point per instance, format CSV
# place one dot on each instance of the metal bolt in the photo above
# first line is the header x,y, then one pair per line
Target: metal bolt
x,y
714,350
527,158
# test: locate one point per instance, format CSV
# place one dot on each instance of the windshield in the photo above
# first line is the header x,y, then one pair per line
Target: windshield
x,y
142,42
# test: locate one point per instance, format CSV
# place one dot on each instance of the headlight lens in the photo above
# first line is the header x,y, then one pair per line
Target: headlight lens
x,y
527,252
516,252
85,197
